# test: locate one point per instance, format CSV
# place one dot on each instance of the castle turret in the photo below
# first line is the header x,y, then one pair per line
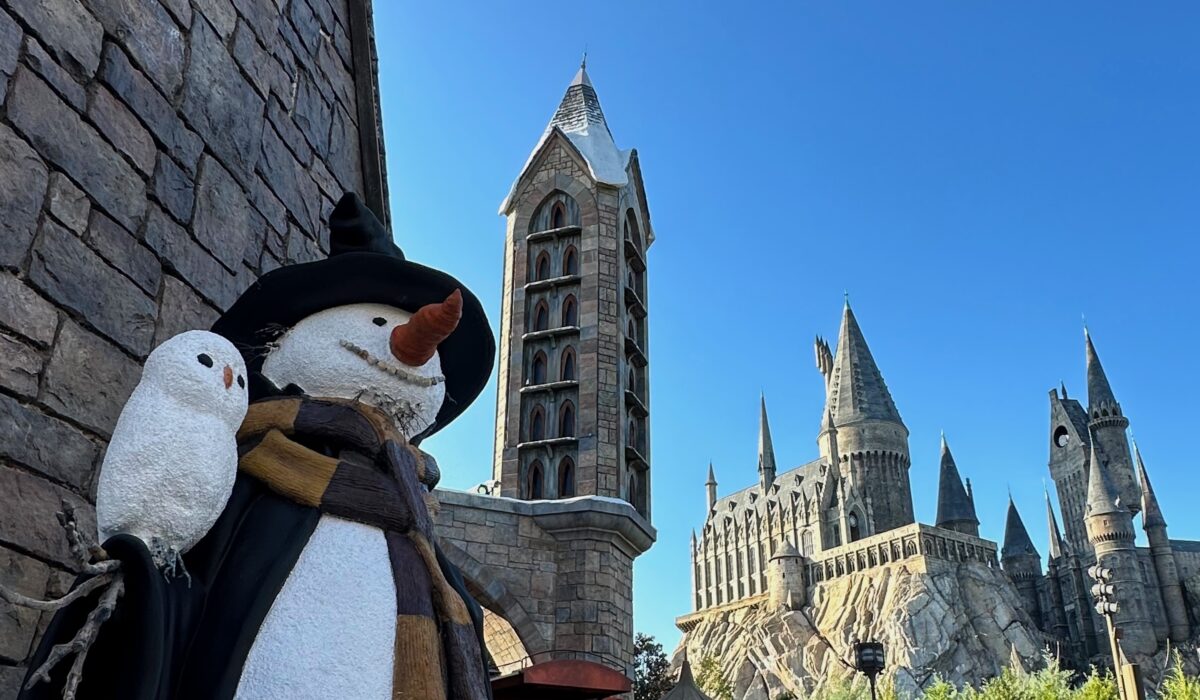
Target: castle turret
x,y
872,438
954,509
1057,616
1110,530
711,487
1164,559
1108,425
1021,561
1069,445
785,578
766,450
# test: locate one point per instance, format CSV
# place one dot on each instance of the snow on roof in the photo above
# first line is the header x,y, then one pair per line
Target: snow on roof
x,y
580,119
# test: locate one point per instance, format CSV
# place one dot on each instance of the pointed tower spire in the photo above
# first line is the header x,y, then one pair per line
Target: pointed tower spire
x,y
1100,393
1102,497
954,511
1151,512
1056,541
766,450
710,487
857,390
1016,537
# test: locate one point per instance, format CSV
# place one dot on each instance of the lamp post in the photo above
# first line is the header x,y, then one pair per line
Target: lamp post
x,y
869,661
1129,680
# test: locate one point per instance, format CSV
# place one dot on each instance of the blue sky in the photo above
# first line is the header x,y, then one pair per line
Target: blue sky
x,y
977,176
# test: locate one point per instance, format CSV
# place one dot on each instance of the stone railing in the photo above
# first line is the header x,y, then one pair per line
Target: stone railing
x,y
915,540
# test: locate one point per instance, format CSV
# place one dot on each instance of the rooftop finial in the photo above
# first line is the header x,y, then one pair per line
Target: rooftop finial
x,y
583,63
846,297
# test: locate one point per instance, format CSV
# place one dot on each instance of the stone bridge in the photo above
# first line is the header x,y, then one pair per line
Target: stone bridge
x,y
555,577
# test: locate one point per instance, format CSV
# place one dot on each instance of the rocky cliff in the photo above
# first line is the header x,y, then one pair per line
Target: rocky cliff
x,y
962,621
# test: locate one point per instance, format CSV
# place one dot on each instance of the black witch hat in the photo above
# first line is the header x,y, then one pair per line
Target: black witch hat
x,y
364,266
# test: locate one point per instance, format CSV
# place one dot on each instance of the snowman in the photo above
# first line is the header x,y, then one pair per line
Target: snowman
x,y
321,576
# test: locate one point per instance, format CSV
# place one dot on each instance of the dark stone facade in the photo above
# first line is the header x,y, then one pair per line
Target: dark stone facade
x,y
156,156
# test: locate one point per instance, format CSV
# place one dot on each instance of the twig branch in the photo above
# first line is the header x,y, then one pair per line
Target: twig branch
x,y
83,554
82,591
81,643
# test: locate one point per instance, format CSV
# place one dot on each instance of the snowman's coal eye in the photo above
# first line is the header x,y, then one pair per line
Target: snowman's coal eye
x,y
204,360
379,320
241,382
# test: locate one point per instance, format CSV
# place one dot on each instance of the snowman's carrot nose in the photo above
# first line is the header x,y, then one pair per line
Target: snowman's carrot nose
x,y
416,341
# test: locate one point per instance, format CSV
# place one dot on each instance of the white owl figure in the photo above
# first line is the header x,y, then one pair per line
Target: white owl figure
x,y
172,461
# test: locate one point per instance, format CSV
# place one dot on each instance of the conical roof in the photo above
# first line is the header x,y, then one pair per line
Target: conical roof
x,y
712,477
1056,541
1100,393
1102,498
766,450
581,120
685,688
954,506
857,390
1016,537
1151,512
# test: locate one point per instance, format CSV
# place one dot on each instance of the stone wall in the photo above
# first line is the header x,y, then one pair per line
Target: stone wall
x,y
156,156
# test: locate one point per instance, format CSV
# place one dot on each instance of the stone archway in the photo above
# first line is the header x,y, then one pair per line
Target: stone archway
x,y
510,634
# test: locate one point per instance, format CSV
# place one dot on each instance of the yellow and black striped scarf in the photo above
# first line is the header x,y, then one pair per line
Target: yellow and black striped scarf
x,y
347,459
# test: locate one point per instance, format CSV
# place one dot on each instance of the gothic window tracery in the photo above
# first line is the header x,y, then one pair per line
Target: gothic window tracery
x,y
567,371
571,261
534,487
570,311
537,423
566,420
566,478
541,268
538,372
541,316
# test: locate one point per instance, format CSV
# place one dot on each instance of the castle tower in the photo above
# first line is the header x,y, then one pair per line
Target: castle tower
x,y
1110,530
766,450
872,440
1021,561
1057,617
572,413
1164,559
785,578
1107,425
1070,443
955,510
711,487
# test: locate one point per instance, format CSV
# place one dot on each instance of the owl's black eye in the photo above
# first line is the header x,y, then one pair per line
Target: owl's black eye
x,y
241,382
379,320
204,360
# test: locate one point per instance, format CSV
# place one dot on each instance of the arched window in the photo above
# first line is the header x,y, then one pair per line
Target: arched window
x,y
534,488
571,262
542,266
566,420
557,210
567,365
570,311
541,316
632,380
566,478
558,215
631,229
537,424
538,375
631,494
855,526
631,331
632,435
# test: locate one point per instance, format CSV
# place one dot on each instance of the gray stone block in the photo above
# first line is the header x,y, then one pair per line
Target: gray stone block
x,y
122,129
123,251
23,181
181,10
26,313
268,205
33,527
69,31
221,105
289,180
148,34
140,95
308,28
45,444
10,43
262,15
174,189
344,159
219,13
65,140
184,256
10,681
17,624
224,219
88,379
312,113
68,272
264,70
182,310
291,136
336,74
68,203
20,365
58,78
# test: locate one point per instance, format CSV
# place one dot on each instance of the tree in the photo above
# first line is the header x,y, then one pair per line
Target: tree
x,y
651,669
712,681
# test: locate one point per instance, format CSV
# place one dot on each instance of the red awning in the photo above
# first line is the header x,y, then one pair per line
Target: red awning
x,y
561,680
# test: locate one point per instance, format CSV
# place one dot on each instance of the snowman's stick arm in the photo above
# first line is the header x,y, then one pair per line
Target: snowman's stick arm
x,y
82,591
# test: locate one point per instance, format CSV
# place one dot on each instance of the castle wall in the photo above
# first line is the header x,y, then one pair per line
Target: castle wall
x,y
155,158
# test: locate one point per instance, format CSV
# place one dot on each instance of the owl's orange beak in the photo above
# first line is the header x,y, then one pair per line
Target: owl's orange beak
x,y
228,376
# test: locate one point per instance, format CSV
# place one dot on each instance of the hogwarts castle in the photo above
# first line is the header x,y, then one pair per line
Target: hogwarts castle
x,y
851,510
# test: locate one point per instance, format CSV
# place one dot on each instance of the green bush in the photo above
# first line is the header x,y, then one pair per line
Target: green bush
x,y
1177,686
